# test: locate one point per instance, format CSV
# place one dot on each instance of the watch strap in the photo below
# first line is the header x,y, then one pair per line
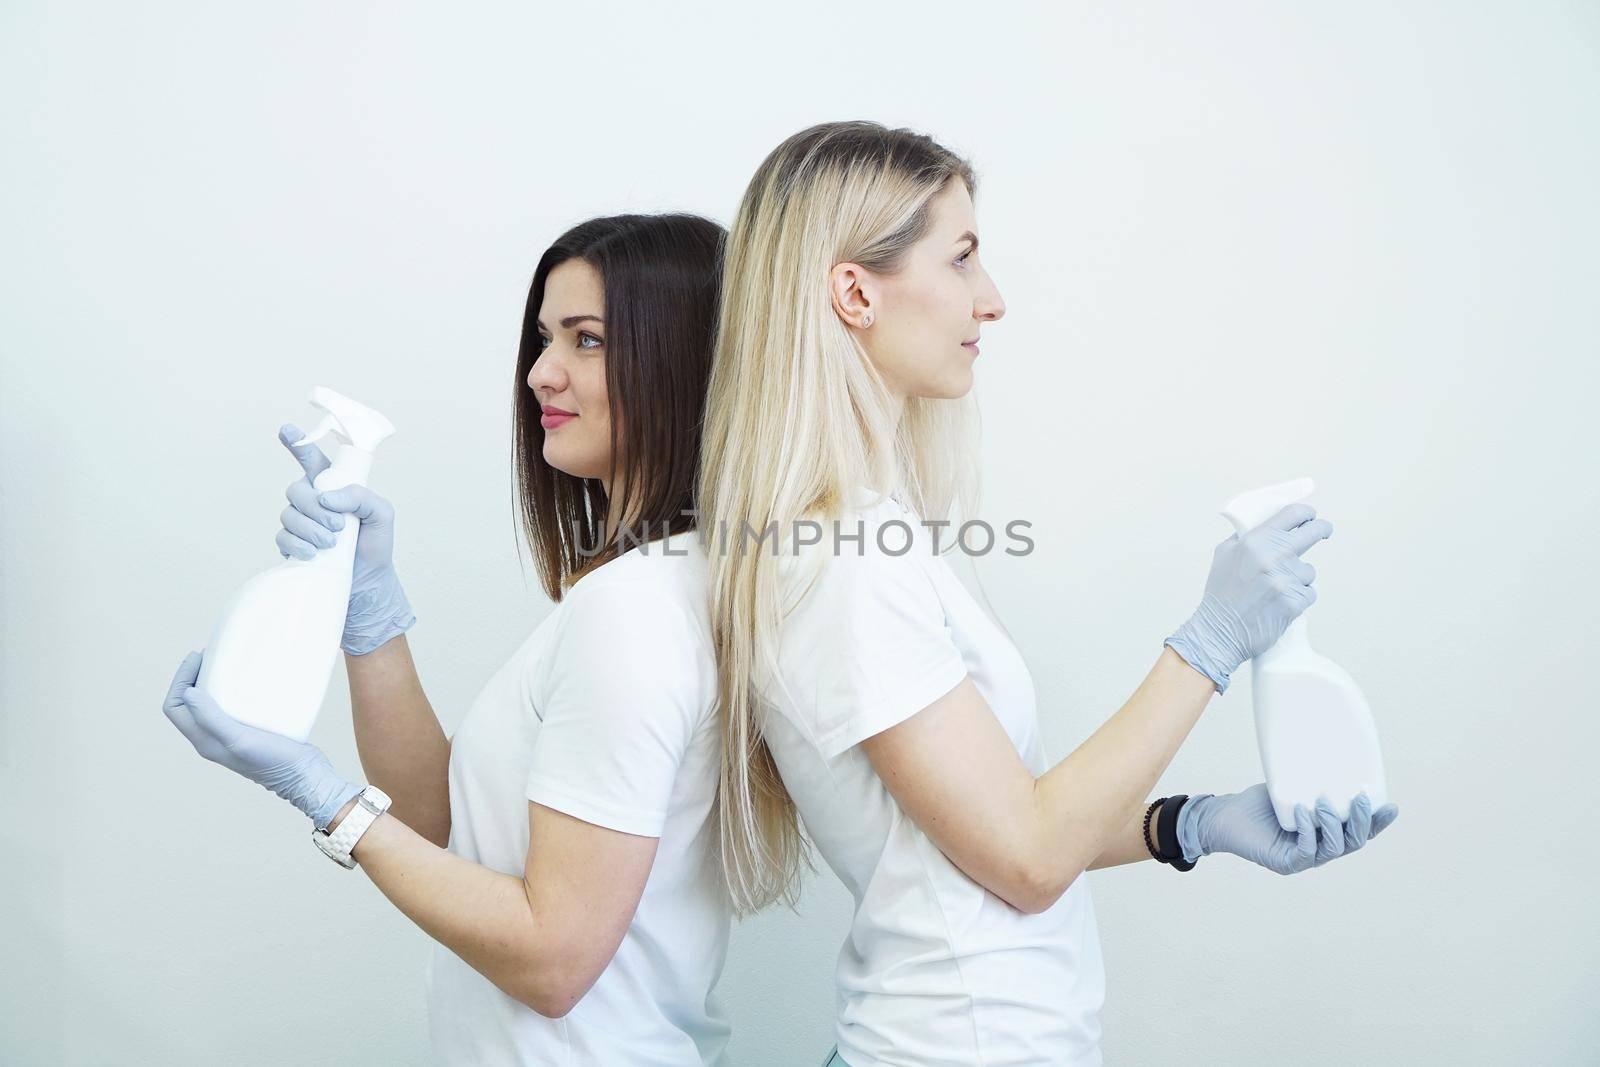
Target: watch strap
x,y
1167,833
371,802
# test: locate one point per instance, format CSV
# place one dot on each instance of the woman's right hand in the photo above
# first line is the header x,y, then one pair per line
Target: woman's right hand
x,y
1258,585
378,609
1245,825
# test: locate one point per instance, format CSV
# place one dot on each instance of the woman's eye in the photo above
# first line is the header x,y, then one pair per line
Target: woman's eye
x,y
545,342
962,259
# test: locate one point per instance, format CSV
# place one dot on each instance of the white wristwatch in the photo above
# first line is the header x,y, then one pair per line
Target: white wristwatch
x,y
371,802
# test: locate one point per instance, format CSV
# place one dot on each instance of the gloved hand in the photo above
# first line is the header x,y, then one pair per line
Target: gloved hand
x,y
1244,824
295,770
1258,585
378,609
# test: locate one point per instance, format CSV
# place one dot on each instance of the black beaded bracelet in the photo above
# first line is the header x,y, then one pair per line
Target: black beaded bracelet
x,y
1151,810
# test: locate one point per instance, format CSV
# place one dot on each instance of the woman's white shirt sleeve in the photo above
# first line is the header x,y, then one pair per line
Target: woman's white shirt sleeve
x,y
621,704
867,647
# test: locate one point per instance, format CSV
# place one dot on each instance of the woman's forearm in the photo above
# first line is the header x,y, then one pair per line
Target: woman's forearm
x,y
481,915
1127,844
402,747
1095,798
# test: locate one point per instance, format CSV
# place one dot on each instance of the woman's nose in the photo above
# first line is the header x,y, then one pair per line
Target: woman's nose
x,y
545,373
991,306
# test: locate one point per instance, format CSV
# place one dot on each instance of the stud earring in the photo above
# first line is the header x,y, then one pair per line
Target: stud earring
x,y
867,320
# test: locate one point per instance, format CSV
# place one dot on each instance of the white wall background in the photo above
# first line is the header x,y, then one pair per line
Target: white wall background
x,y
1239,243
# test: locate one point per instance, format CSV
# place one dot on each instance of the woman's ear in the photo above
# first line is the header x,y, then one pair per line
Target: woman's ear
x,y
848,285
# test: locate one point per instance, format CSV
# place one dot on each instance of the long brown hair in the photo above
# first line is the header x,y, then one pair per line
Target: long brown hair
x,y
660,275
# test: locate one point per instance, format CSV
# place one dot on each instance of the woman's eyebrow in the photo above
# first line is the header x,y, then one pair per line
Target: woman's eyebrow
x,y
970,236
572,320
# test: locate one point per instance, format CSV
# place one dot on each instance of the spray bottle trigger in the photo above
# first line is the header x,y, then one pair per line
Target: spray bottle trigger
x,y
328,425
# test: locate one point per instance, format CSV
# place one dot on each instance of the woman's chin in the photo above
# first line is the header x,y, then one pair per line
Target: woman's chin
x,y
952,386
562,460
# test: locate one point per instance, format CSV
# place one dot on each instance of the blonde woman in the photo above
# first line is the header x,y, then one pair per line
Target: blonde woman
x,y
866,692
559,848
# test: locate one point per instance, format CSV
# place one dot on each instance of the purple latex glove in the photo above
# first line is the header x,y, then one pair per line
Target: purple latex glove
x,y
1258,585
295,770
1245,825
378,609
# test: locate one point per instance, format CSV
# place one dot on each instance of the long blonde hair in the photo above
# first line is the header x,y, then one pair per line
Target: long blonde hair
x,y
796,418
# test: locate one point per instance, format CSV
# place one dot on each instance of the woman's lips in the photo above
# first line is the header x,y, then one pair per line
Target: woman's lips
x,y
551,419
970,346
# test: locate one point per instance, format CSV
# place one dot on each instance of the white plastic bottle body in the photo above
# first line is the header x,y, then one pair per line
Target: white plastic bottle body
x,y
272,654
1314,729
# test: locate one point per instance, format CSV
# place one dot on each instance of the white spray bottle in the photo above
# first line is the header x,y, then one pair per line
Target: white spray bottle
x,y
1313,725
272,654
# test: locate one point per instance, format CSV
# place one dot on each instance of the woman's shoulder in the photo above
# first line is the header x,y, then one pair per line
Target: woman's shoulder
x,y
867,527
664,578
873,549
639,620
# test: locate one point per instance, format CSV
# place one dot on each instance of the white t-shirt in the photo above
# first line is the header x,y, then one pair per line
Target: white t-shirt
x,y
936,970
607,712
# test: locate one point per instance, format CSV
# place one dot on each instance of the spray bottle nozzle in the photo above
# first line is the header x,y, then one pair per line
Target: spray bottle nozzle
x,y
1249,510
356,425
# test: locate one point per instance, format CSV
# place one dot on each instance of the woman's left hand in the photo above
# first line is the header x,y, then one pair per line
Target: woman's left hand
x,y
295,770
1245,825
